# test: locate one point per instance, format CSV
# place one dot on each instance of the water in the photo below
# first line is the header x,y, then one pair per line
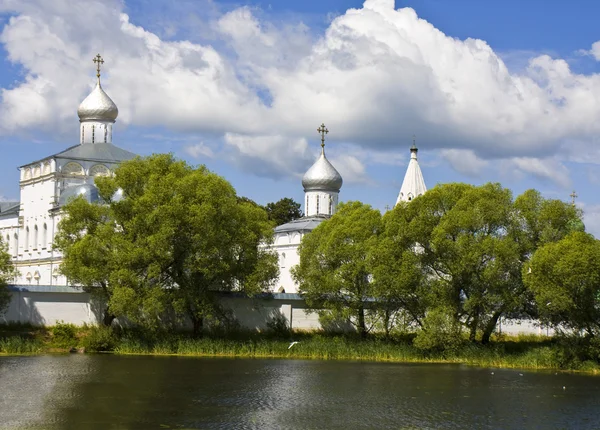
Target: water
x,y
116,392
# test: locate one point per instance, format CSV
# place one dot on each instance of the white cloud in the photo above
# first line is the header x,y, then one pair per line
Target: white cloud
x,y
351,168
591,219
277,156
548,169
199,150
464,161
375,74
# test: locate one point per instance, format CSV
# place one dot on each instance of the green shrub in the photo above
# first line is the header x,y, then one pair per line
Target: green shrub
x,y
100,338
440,333
64,335
278,325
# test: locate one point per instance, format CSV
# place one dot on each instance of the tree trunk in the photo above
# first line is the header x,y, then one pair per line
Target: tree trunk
x,y
198,323
489,328
362,329
108,318
473,333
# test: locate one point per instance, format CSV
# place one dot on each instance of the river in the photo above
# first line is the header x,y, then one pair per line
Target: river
x,y
139,392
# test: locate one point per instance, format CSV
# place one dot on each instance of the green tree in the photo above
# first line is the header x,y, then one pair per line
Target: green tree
x,y
564,277
179,235
335,266
284,210
7,272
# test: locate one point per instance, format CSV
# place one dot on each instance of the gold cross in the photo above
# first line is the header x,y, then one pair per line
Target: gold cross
x,y
573,196
323,132
98,60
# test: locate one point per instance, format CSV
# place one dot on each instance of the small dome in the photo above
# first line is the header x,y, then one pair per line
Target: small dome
x,y
88,191
322,176
97,106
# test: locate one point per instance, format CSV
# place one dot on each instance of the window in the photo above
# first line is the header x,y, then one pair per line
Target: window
x,y
306,205
99,170
26,247
318,204
15,244
282,260
330,205
35,237
72,169
45,236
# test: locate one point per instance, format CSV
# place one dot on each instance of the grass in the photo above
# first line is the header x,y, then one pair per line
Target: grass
x,y
527,352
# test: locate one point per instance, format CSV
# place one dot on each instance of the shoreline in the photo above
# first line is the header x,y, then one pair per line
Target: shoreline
x,y
526,352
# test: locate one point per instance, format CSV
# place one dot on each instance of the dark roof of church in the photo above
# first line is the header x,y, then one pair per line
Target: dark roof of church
x,y
8,208
96,152
93,152
307,223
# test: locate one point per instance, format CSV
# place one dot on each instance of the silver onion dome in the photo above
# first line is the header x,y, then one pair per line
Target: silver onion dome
x,y
97,106
322,176
88,191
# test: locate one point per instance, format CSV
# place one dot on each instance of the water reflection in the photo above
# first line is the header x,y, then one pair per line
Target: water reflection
x,y
104,392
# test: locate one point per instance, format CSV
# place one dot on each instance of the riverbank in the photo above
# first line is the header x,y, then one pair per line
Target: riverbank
x,y
526,352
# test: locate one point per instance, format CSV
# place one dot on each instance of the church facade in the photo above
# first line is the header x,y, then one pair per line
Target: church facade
x,y
29,225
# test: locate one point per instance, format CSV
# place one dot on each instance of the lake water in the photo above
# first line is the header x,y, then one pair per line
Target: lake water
x,y
128,392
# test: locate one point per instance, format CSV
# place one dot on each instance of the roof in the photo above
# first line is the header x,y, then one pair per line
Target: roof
x,y
322,176
96,152
307,223
413,184
7,208
103,152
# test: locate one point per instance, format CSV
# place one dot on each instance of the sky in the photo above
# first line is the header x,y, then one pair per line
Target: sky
x,y
505,91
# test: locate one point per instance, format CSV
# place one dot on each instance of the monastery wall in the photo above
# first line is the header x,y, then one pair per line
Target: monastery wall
x,y
46,305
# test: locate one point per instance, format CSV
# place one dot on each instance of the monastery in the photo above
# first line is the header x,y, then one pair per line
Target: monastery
x,y
42,295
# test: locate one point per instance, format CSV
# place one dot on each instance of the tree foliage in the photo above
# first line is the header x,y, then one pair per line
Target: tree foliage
x,y
335,267
178,235
564,276
283,211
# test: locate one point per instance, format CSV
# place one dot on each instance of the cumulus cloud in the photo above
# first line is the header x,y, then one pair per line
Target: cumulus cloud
x,y
545,169
199,150
464,161
376,73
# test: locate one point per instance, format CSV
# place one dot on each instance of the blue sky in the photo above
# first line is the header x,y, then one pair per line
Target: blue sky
x,y
495,91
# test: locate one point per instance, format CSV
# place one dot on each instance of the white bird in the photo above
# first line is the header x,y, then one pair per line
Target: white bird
x,y
292,344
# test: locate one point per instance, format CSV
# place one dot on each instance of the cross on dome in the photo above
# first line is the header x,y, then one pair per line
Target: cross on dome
x,y
98,60
323,131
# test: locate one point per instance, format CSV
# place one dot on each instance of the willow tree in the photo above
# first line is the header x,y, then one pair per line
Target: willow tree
x,y
564,277
175,236
335,270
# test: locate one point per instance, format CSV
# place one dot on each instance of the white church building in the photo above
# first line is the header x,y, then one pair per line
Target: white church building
x,y
28,226
322,184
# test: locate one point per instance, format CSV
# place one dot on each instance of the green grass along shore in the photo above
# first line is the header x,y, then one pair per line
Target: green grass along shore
x,y
526,352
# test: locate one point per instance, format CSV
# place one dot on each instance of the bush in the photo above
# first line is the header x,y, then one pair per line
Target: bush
x,y
100,339
64,335
440,333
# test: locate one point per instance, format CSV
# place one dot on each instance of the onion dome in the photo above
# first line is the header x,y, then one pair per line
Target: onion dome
x,y
322,176
97,106
88,191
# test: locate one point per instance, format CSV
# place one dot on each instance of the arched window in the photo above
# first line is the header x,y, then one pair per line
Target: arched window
x,y
15,244
318,198
72,168
99,170
306,204
282,260
26,247
45,236
35,237
330,205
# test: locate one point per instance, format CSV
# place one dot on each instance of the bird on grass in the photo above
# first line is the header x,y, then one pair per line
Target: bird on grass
x,y
292,344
